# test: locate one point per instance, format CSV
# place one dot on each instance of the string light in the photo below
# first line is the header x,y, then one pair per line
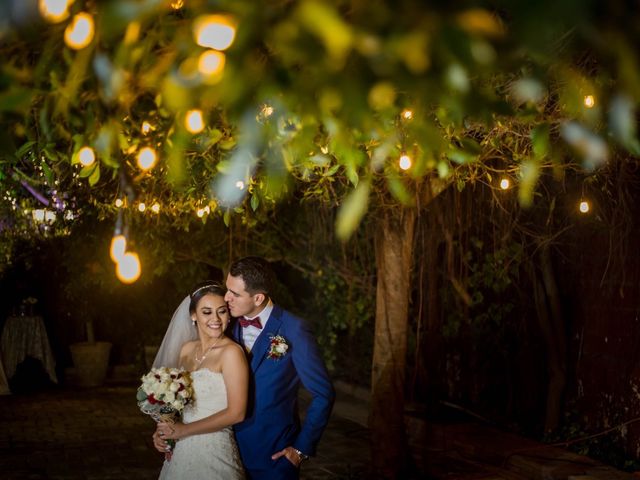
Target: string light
x,y
119,202
584,206
146,127
505,183
118,247
589,101
405,162
147,158
407,114
128,269
200,212
54,11
240,185
155,208
142,207
79,32
177,4
211,62
214,31
86,156
193,121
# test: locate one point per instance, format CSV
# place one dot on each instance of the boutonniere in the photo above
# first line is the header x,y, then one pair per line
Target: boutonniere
x,y
277,348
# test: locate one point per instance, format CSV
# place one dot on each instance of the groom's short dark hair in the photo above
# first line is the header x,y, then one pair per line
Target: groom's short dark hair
x,y
256,274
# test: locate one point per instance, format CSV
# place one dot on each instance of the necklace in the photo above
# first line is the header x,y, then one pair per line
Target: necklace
x,y
206,352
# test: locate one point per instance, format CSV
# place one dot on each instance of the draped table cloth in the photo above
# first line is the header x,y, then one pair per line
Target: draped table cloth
x,y
23,336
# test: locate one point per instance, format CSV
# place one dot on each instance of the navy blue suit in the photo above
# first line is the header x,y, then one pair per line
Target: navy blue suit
x,y
272,421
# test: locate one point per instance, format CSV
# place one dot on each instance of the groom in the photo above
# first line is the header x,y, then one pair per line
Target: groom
x,y
283,354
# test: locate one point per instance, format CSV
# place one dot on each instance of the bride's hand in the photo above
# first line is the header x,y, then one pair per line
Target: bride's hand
x,y
170,431
159,443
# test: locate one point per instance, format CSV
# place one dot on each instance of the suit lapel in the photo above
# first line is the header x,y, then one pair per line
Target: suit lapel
x,y
272,328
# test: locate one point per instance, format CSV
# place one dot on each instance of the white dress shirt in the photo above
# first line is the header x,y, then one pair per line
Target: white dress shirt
x,y
250,333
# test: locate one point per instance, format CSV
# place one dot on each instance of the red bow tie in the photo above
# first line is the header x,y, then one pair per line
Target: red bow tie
x,y
250,322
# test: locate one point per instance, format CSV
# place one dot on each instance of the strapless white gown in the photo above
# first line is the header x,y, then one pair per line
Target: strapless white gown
x,y
208,456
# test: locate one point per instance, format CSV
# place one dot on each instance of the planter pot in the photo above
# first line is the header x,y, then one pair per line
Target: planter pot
x,y
91,360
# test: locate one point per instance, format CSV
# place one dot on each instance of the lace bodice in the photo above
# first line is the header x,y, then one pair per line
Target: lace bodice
x,y
210,395
210,455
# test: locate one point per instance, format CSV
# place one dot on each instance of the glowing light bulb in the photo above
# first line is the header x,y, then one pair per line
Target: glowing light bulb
x,y
214,31
407,114
146,127
211,62
200,212
79,32
118,247
38,215
193,121
54,11
505,183
86,156
155,208
177,4
128,269
584,206
142,207
405,162
240,185
589,101
119,203
147,158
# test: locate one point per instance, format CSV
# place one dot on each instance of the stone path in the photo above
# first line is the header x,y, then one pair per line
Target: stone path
x,y
99,434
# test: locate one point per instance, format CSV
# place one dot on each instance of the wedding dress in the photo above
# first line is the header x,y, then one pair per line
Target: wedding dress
x,y
208,456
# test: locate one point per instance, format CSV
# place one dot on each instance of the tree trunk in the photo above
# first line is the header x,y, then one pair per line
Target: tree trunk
x,y
394,246
553,331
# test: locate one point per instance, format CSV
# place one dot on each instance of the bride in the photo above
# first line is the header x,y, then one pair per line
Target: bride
x,y
195,341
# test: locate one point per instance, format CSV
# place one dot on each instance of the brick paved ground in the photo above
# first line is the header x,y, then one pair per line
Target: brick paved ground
x,y
99,433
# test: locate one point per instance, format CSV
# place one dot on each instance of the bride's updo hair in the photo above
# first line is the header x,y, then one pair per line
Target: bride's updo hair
x,y
208,287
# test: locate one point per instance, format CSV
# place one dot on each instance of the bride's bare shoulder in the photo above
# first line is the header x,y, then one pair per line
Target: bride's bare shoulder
x,y
188,347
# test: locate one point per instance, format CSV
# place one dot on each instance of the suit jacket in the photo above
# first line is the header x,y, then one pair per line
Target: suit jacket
x,y
272,421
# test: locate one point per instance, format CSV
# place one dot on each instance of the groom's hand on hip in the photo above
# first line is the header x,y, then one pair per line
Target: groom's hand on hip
x,y
291,455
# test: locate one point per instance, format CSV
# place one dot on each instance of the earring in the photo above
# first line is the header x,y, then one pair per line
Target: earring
x,y
193,322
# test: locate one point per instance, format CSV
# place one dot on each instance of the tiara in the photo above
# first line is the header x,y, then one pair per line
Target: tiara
x,y
209,285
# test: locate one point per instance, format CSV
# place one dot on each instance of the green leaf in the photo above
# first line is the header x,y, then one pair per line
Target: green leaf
x,y
321,19
255,201
24,148
226,218
352,175
87,171
540,141
95,175
48,173
530,172
352,211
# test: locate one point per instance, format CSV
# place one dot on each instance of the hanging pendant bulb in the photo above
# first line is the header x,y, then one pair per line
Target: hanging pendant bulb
x,y
128,269
118,247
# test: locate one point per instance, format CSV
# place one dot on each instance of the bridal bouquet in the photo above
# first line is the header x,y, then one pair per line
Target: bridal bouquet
x,y
164,393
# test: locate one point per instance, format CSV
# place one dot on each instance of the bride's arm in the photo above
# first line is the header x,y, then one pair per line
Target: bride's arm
x,y
235,372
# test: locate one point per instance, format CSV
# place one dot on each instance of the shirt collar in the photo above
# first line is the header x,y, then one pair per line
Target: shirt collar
x,y
264,314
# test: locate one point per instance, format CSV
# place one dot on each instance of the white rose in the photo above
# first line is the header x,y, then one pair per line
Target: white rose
x,y
174,387
282,348
169,397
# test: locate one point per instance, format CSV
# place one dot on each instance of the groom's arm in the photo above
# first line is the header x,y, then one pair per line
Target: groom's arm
x,y
315,379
